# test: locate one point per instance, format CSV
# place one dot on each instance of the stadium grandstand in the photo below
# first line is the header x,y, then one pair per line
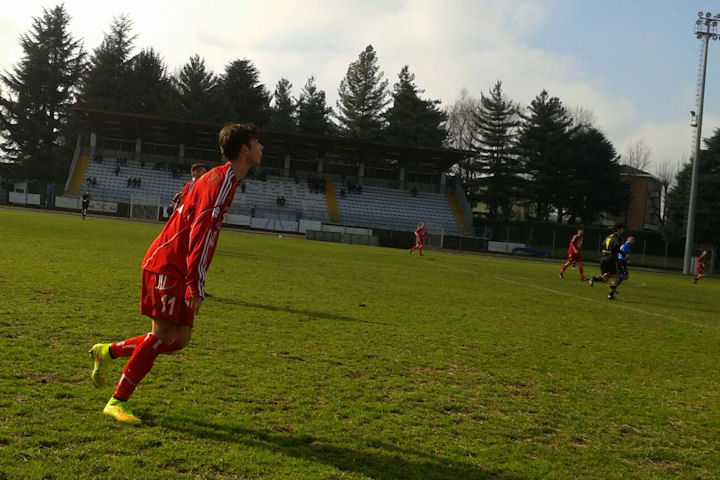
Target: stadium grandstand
x,y
134,164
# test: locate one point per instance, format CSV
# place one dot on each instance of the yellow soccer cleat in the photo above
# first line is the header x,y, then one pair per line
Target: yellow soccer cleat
x,y
120,411
100,353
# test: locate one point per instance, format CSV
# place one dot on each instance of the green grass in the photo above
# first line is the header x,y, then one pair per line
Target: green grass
x,y
327,361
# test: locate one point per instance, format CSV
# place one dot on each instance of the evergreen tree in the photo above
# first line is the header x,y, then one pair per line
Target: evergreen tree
x,y
284,109
246,98
595,184
363,97
149,89
543,148
38,94
412,120
197,92
495,123
707,228
106,84
313,112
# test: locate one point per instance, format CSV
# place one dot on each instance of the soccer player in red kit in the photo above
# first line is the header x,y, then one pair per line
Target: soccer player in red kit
x,y
197,170
174,268
700,266
575,255
420,233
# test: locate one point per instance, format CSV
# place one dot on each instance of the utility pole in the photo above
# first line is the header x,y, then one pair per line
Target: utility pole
x,y
705,29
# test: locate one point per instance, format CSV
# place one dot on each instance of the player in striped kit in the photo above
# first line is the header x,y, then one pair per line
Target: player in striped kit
x,y
174,269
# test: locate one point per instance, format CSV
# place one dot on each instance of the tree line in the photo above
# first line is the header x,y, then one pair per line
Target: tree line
x,y
56,72
552,161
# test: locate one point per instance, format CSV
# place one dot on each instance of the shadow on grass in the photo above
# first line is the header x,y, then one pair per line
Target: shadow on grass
x,y
296,311
390,462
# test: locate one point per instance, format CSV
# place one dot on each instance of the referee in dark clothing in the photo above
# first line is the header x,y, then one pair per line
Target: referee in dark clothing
x,y
608,260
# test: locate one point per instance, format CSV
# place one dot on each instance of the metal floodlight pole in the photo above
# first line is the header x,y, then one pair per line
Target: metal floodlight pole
x,y
705,29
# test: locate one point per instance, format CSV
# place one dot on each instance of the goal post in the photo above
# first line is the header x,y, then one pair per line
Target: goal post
x,y
435,234
144,206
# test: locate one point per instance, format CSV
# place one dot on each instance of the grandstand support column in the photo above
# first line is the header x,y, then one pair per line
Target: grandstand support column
x,y
93,144
361,172
442,182
138,148
181,153
286,168
321,165
401,177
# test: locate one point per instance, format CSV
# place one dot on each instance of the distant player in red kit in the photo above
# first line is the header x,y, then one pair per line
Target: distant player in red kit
x,y
174,268
197,170
700,266
575,255
420,233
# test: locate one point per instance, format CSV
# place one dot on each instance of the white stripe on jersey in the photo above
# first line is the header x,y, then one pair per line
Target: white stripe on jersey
x,y
222,197
161,246
202,267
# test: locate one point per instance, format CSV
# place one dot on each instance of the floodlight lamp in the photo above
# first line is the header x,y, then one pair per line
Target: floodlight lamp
x,y
708,14
700,14
698,36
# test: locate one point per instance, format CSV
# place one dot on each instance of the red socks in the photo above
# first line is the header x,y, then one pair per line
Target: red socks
x,y
127,347
144,353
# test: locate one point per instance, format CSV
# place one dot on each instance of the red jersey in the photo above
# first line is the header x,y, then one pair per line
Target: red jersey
x,y
575,244
420,233
186,245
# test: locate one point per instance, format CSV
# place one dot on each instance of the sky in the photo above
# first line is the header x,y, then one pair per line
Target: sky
x,y
634,64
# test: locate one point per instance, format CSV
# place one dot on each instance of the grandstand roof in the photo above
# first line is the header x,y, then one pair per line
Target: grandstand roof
x,y
204,135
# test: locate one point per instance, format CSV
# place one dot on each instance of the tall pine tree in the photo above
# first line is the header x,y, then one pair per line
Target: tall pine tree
x,y
197,92
363,96
37,96
106,84
149,86
595,185
313,112
284,108
497,165
247,99
412,120
544,151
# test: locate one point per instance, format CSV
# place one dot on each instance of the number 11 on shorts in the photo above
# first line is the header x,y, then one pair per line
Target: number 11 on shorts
x,y
168,303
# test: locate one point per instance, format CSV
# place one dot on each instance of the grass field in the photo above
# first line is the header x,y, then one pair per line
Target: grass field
x,y
328,361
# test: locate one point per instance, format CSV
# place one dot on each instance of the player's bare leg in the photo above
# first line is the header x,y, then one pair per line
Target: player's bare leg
x,y
563,268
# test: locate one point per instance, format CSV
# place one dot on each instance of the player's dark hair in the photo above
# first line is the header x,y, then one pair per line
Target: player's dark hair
x,y
234,135
197,166
618,226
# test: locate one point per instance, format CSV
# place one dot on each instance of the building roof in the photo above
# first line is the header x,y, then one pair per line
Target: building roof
x,y
162,130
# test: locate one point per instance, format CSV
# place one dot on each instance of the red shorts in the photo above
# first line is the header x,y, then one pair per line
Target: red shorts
x,y
700,269
163,296
574,257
